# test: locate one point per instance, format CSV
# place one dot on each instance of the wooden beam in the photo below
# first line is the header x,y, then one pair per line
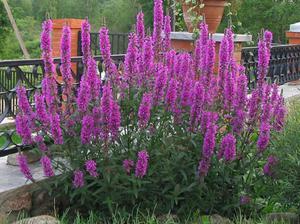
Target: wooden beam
x,y
16,30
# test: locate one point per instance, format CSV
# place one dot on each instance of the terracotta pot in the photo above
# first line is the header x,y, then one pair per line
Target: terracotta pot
x,y
213,11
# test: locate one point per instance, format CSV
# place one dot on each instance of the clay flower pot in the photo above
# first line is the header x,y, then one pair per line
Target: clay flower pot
x,y
213,11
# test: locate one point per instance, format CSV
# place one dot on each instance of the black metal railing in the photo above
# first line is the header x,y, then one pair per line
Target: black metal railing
x,y
30,74
118,41
284,64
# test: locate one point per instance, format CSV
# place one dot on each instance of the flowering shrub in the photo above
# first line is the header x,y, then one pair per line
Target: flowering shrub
x,y
164,131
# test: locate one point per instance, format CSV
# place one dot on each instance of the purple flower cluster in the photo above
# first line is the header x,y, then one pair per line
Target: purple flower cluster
x,y
65,52
23,129
46,47
128,165
142,164
39,140
160,84
228,148
47,166
140,29
85,41
158,21
91,168
105,49
40,108
84,95
268,167
87,129
171,94
78,179
56,129
145,110
24,168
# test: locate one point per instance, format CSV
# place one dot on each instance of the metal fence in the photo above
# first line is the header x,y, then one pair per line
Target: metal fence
x,y
284,64
30,74
118,41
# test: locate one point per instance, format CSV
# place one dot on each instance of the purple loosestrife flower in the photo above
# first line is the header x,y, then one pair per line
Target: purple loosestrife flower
x,y
185,100
115,119
170,57
229,91
203,167
275,94
47,166
268,167
167,33
84,95
145,110
240,99
230,42
228,148
264,137
184,63
140,29
93,79
207,119
56,131
160,83
223,63
268,38
171,94
40,107
105,49
23,102
204,48
196,105
46,47
24,168
85,41
279,114
148,56
23,128
87,129
128,164
91,168
263,63
209,141
131,66
142,164
210,61
158,18
65,52
254,104
39,140
49,90
238,121
106,111
266,105
78,179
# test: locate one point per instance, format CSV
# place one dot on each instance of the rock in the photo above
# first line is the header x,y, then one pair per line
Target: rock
x,y
15,202
31,158
167,218
42,203
285,217
43,219
217,219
